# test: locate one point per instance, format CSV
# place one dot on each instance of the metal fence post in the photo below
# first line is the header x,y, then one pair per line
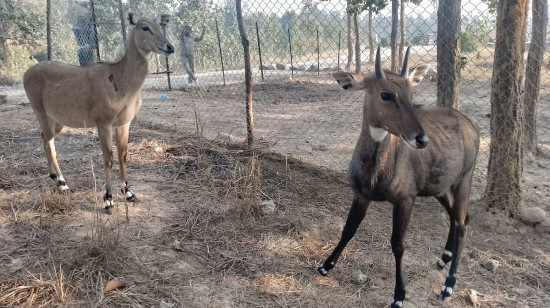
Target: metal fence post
x,y
220,47
260,51
163,24
122,23
339,33
290,49
49,28
92,8
318,54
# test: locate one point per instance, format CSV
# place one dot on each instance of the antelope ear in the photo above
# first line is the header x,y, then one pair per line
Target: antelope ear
x,y
349,81
131,18
164,19
417,74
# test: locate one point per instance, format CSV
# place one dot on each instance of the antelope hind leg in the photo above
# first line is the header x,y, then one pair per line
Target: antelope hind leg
x,y
459,214
446,200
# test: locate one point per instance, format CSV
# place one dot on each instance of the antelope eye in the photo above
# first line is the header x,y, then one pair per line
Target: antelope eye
x,y
385,96
145,28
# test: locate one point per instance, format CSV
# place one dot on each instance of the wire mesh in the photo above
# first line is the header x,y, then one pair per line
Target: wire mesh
x,y
299,110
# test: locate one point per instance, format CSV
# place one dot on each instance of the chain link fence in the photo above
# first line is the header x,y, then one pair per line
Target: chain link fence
x,y
295,45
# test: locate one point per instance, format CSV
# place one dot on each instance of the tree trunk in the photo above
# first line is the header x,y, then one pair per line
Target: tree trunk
x,y
506,151
371,41
357,44
532,74
448,52
350,41
247,76
393,36
402,31
7,58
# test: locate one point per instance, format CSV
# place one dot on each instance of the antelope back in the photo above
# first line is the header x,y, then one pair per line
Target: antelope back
x,y
148,35
387,107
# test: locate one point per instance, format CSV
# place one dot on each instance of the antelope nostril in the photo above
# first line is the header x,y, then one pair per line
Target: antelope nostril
x,y
421,141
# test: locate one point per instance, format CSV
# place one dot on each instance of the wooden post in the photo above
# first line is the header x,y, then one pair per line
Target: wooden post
x,y
260,51
247,77
220,47
48,28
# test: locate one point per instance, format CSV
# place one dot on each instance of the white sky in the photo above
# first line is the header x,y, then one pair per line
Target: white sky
x,y
426,7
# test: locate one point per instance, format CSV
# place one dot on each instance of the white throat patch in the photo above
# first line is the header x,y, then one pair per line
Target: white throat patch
x,y
378,134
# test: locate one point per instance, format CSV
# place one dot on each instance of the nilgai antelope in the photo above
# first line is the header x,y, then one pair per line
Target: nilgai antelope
x,y
102,95
406,151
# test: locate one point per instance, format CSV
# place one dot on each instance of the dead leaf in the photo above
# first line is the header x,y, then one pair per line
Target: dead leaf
x,y
177,245
117,283
474,300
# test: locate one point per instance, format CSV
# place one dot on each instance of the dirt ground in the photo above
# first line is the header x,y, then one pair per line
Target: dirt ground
x,y
200,236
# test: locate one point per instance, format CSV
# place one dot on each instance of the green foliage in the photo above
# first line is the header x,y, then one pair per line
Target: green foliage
x,y
359,6
21,26
21,61
479,31
21,20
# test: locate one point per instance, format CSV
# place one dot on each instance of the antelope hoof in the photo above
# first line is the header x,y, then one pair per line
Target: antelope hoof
x,y
397,304
445,293
322,271
109,204
439,265
63,189
447,288
131,197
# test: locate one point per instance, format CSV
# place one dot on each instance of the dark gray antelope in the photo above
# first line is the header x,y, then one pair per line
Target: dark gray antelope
x,y
102,95
406,151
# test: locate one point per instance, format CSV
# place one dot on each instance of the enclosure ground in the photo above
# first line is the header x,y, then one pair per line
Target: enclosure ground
x,y
198,237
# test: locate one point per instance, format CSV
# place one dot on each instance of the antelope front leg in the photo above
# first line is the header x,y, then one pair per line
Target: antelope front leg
x,y
105,134
401,216
49,130
355,216
121,136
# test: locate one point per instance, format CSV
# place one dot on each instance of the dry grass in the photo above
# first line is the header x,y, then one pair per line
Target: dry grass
x,y
36,292
243,190
198,239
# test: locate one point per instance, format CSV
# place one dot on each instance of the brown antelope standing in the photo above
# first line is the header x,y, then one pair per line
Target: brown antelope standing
x,y
393,161
102,95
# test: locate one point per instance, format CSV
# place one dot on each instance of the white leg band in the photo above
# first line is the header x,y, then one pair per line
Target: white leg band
x,y
446,290
109,203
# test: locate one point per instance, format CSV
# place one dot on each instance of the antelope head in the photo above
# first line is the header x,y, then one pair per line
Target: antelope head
x,y
149,36
387,107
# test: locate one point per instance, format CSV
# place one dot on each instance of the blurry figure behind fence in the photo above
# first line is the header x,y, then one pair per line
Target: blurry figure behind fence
x,y
85,38
187,52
